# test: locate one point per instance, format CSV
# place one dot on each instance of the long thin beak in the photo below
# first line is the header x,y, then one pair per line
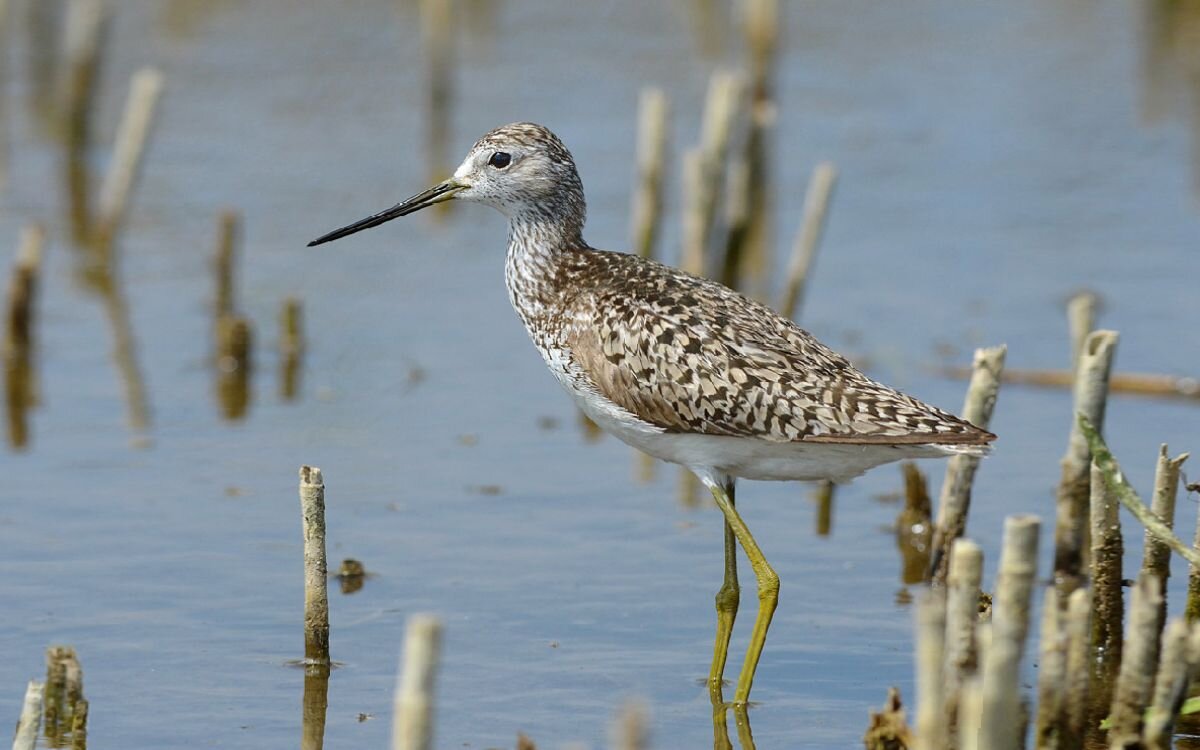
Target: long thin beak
x,y
443,191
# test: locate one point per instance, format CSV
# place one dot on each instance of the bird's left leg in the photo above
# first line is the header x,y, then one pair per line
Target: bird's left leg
x,y
768,590
727,603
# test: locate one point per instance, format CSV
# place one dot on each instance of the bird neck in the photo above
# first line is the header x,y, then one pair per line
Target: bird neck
x,y
536,246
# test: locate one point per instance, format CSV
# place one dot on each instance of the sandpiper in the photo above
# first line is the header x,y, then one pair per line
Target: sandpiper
x,y
679,366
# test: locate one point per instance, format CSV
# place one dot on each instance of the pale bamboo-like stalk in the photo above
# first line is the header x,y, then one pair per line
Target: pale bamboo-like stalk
x,y
808,238
1052,673
646,213
437,41
412,723
694,230
1175,672
1077,627
955,500
630,730
970,714
145,88
1115,480
1108,549
1135,679
1090,396
316,594
1010,625
26,735
1081,320
721,107
22,293
931,641
962,614
291,347
1192,611
229,229
86,22
1156,557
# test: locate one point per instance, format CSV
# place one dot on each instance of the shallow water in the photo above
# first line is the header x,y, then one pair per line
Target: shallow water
x,y
992,162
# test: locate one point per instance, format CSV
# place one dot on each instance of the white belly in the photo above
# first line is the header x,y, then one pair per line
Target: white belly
x,y
714,456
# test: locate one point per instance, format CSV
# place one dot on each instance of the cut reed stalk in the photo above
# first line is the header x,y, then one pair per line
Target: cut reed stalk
x,y
1192,611
1081,320
1136,677
1175,672
694,231
316,595
630,729
22,293
26,735
291,347
808,238
931,647
1075,699
437,36
1010,625
955,500
412,727
1052,673
914,526
86,24
229,230
823,495
1090,395
1156,556
1106,562
145,88
962,614
646,212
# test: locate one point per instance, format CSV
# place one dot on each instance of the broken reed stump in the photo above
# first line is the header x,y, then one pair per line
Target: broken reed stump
x,y
229,231
1077,681
808,238
887,728
1192,612
1156,558
1090,396
316,595
18,346
64,708
234,364
1010,625
25,738
631,727
955,499
1176,670
84,46
145,89
438,46
1107,554
1081,320
962,614
823,518
412,720
931,650
1135,678
646,212
291,347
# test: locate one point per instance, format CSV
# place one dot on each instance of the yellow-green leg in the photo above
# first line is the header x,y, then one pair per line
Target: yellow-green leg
x,y
727,605
768,591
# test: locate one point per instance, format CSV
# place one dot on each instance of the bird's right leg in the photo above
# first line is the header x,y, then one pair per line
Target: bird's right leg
x,y
727,604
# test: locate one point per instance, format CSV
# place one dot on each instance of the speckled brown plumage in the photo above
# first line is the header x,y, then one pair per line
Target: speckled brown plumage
x,y
686,354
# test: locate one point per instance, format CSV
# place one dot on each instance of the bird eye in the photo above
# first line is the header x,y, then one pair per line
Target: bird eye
x,y
500,160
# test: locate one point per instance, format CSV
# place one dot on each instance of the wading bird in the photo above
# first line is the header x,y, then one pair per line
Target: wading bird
x,y
678,366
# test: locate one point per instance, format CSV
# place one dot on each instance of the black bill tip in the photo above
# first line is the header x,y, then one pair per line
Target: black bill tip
x,y
441,192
